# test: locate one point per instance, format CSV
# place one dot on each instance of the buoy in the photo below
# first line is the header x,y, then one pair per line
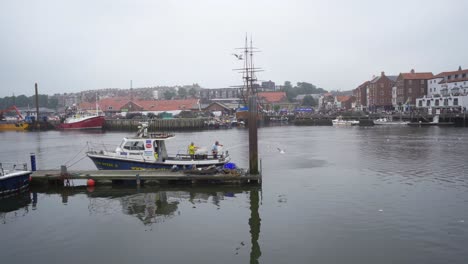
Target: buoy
x,y
90,189
90,182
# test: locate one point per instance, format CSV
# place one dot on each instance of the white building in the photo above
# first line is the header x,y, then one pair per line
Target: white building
x,y
394,97
445,83
446,90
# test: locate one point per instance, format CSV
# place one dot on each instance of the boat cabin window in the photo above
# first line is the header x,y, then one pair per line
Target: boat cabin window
x,y
134,145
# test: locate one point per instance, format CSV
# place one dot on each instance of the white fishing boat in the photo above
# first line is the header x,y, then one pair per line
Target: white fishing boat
x,y
388,122
339,121
147,151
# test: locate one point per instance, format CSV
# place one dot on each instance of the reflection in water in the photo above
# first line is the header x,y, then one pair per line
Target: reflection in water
x,y
254,224
14,207
150,205
149,208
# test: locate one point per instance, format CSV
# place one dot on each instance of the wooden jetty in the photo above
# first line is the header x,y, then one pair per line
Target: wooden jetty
x,y
160,177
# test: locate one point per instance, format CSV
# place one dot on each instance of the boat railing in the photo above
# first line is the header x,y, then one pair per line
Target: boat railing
x,y
100,146
6,167
200,156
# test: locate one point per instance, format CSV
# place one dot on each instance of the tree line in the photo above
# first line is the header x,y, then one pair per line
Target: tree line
x,y
25,101
302,88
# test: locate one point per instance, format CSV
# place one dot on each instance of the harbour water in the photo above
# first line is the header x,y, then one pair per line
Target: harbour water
x,y
336,195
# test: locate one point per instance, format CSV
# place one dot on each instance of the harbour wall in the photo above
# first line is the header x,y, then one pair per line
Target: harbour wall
x,y
156,124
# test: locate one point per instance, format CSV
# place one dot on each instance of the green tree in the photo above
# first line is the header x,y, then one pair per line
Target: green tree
x,y
182,92
192,92
53,103
168,95
309,101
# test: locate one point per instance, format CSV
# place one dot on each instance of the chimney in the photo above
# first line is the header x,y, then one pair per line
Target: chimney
x,y
382,74
459,68
412,70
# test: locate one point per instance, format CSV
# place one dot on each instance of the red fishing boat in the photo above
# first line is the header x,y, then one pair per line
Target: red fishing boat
x,y
82,121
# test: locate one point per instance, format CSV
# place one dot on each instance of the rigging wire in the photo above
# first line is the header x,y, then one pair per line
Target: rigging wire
x,y
76,155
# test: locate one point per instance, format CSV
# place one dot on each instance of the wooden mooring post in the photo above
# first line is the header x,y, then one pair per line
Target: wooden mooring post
x,y
36,123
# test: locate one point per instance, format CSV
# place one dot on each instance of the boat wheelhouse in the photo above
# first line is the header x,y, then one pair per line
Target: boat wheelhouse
x,y
147,151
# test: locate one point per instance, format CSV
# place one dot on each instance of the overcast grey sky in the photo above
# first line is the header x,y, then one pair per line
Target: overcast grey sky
x,y
69,46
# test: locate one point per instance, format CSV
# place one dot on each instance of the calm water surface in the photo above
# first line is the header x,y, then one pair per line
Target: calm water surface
x,y
337,195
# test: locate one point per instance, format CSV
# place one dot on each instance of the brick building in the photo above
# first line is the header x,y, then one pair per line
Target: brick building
x,y
379,92
360,93
410,86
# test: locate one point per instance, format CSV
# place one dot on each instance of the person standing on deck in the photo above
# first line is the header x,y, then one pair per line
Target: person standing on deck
x,y
191,150
214,149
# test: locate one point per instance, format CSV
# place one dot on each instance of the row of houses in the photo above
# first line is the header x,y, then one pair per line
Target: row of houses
x,y
121,105
411,90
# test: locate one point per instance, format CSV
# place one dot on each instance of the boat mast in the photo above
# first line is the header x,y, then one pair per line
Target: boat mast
x,y
249,70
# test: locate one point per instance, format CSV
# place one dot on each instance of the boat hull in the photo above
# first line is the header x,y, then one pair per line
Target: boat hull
x,y
17,182
389,123
109,163
90,123
14,126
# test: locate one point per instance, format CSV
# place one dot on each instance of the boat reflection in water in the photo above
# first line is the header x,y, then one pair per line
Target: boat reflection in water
x,y
16,206
152,205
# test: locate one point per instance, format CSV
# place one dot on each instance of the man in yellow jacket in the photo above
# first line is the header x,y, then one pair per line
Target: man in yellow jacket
x,y
191,150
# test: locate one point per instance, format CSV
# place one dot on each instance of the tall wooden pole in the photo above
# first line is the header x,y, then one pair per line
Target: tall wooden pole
x,y
37,105
253,143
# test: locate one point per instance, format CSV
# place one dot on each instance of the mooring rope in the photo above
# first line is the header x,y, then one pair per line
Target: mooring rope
x,y
77,161
76,155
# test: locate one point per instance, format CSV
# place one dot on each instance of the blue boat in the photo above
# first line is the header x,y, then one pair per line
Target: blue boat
x,y
13,178
147,151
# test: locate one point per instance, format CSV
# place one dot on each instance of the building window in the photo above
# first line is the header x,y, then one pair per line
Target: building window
x,y
381,92
449,77
430,90
410,82
464,75
420,102
456,76
109,108
455,101
422,90
428,103
381,85
437,102
422,81
410,90
445,102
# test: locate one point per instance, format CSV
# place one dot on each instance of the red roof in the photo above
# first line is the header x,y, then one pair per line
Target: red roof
x,y
87,106
272,97
112,103
343,98
444,74
417,75
167,105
